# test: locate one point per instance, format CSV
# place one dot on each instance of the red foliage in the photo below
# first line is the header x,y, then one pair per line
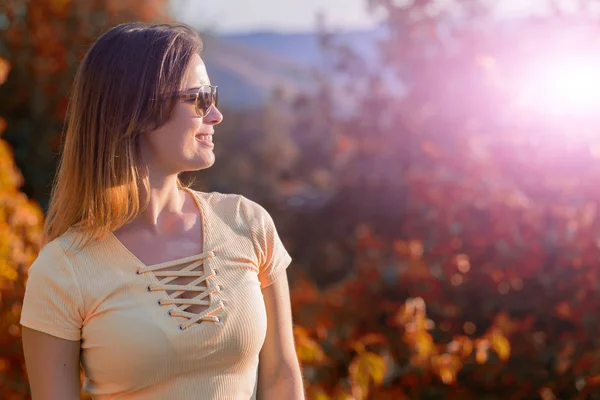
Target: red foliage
x,y
476,222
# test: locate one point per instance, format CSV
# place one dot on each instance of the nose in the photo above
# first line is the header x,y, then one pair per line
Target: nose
x,y
214,116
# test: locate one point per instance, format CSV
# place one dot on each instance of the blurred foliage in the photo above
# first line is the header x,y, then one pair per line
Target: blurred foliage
x,y
44,40
456,255
20,238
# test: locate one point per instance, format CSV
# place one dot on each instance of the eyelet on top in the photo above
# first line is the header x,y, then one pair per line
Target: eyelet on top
x,y
216,272
137,272
169,312
218,320
159,302
220,288
148,287
181,328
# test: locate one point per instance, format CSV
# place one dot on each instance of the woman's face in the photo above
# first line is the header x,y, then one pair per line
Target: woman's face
x,y
179,145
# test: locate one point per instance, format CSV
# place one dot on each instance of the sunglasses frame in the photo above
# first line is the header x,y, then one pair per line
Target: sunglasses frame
x,y
214,97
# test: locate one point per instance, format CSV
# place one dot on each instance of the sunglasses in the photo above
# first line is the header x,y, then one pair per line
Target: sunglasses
x,y
204,99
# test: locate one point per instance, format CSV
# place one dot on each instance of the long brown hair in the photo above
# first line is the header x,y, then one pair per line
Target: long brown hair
x,y
119,92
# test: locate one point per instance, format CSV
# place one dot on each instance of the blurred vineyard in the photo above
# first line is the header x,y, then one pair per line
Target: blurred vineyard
x,y
445,230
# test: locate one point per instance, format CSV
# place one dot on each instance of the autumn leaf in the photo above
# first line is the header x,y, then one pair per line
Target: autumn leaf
x,y
547,394
415,249
500,344
367,368
460,345
4,70
372,338
447,367
564,310
308,350
593,381
481,356
506,325
482,346
318,394
462,262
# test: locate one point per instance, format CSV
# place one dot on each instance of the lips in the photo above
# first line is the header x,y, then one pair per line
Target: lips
x,y
206,138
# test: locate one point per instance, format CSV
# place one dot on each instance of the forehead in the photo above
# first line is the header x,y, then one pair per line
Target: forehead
x,y
196,74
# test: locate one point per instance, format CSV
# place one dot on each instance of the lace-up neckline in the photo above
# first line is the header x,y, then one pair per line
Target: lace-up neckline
x,y
183,296
203,298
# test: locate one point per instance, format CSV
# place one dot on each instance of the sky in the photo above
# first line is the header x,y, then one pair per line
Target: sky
x,y
228,16
234,16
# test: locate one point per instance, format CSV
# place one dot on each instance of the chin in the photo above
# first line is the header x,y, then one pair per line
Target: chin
x,y
202,164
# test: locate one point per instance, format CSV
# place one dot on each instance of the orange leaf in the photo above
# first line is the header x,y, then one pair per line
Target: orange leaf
x,y
481,356
367,368
505,323
319,394
500,345
373,338
463,263
593,380
415,248
307,349
446,366
4,70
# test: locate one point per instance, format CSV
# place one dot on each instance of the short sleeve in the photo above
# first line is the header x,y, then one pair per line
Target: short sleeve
x,y
53,303
273,258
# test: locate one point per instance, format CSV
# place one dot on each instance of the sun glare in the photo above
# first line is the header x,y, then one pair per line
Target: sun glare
x,y
568,87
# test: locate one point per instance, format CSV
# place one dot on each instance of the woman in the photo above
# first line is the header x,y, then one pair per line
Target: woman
x,y
161,292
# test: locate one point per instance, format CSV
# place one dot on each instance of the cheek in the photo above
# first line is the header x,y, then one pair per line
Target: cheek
x,y
180,127
171,139
182,122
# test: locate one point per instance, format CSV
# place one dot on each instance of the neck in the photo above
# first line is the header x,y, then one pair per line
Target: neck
x,y
164,198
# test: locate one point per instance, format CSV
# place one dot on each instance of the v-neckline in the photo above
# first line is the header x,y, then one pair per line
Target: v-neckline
x,y
204,222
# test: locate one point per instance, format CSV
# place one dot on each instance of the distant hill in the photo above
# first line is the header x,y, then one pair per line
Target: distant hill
x,y
304,48
248,67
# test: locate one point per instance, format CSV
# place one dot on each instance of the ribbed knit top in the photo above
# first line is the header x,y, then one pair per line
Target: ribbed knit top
x,y
190,328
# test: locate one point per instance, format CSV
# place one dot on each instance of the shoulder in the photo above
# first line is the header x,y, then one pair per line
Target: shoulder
x,y
60,248
216,199
53,268
70,251
239,211
53,300
51,253
232,204
56,257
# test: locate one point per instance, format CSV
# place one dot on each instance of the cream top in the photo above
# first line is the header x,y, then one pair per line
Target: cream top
x,y
142,336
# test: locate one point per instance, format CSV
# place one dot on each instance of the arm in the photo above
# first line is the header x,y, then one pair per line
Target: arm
x,y
279,375
52,366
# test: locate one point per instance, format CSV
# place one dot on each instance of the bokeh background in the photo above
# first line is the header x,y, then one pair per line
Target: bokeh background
x,y
433,167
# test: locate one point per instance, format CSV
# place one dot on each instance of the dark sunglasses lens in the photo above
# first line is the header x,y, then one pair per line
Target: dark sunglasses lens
x,y
206,98
203,102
